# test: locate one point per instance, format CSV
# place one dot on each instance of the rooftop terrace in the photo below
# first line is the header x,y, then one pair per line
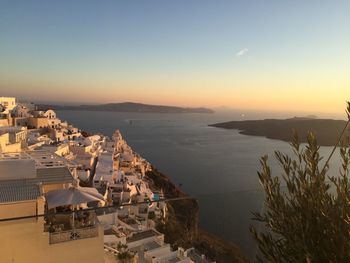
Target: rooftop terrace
x,y
142,235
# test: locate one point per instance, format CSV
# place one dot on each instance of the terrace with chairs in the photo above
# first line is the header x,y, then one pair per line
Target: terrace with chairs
x,y
67,225
66,219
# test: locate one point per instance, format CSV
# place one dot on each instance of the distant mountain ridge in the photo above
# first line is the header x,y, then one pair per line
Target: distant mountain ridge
x,y
127,107
326,130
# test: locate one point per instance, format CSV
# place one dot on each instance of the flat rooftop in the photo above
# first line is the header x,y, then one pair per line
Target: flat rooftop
x,y
42,158
46,159
151,245
142,235
104,167
37,166
196,257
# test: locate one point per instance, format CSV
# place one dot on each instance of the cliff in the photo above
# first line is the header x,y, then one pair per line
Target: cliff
x,y
180,226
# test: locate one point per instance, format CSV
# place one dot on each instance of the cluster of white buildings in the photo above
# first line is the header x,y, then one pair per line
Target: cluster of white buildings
x,y
40,153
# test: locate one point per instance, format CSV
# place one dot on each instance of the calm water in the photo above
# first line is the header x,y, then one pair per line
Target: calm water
x,y
217,166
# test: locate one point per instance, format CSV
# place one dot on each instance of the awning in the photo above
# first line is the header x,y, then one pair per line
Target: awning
x,y
72,196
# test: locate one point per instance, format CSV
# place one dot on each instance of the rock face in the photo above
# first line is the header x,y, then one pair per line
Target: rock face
x,y
181,223
180,226
128,107
327,131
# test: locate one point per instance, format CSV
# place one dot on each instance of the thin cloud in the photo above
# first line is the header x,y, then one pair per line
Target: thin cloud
x,y
242,52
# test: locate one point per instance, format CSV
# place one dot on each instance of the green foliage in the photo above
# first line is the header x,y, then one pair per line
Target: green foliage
x,y
123,253
122,246
180,224
308,220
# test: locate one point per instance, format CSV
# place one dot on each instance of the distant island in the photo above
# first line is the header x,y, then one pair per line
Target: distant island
x,y
326,130
127,107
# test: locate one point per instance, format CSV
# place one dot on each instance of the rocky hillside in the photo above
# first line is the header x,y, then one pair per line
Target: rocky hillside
x,y
327,131
180,226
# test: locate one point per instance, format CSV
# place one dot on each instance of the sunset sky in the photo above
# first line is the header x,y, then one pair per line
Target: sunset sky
x,y
268,55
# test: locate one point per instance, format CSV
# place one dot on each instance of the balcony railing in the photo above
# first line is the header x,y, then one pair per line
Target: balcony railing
x,y
73,234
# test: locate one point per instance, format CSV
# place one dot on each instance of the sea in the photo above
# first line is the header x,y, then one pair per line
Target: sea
x,y
216,166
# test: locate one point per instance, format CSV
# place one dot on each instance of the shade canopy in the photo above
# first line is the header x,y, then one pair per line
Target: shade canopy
x,y
72,196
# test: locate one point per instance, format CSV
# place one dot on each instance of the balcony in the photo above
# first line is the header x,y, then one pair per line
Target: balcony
x,y
73,234
63,228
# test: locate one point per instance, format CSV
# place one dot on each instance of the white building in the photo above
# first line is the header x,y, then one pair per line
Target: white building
x,y
8,103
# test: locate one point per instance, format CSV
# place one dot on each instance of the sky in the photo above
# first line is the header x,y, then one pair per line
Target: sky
x,y
264,55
